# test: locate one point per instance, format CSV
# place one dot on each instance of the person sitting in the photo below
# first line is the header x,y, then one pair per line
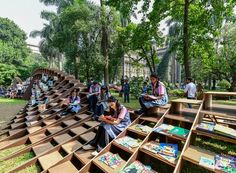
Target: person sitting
x,y
111,126
159,95
72,104
19,88
93,96
102,105
145,88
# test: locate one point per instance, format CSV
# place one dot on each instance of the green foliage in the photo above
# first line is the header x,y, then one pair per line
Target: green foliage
x,y
7,73
136,85
224,84
176,93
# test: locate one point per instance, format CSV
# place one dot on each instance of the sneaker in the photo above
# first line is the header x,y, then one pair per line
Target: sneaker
x,y
139,112
89,147
95,153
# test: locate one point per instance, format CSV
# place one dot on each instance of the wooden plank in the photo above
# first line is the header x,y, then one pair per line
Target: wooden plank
x,y
62,138
182,100
92,123
88,136
151,119
78,130
180,117
84,156
66,167
12,132
221,93
55,129
14,125
33,129
193,155
42,148
37,137
69,122
50,159
48,122
72,146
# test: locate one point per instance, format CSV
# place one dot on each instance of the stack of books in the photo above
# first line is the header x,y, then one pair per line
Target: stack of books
x,y
206,126
128,142
172,130
111,160
165,150
224,163
137,167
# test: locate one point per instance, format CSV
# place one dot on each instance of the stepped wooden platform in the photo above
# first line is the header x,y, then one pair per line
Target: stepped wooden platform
x,y
57,142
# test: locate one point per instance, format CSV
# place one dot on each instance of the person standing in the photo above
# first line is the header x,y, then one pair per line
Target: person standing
x,y
94,95
126,90
190,90
19,88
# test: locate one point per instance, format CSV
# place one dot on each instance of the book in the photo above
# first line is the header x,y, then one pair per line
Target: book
x,y
223,130
111,160
168,149
179,131
163,128
152,146
206,162
206,126
225,163
143,128
137,167
128,142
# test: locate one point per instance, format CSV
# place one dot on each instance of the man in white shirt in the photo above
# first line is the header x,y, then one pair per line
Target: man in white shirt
x,y
190,90
19,88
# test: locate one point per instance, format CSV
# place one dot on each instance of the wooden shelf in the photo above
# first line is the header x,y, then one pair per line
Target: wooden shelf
x,y
106,168
157,156
50,159
62,138
72,146
84,156
66,167
132,129
131,151
183,100
180,117
38,149
193,155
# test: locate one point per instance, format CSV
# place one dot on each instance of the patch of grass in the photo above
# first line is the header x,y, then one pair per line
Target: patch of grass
x,y
7,165
12,101
7,152
225,102
32,169
192,168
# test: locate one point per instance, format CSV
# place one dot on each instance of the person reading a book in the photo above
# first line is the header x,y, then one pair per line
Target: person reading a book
x,y
158,97
102,105
94,95
73,102
116,120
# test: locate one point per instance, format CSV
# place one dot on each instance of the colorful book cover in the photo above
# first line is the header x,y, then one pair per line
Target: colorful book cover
x,y
137,167
225,163
179,131
168,149
163,128
128,142
112,160
152,146
227,131
145,129
205,126
209,163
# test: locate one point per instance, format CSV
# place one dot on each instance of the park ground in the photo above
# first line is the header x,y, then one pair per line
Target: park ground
x,y
9,107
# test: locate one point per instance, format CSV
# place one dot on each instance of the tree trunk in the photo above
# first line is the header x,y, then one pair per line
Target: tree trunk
x,y
76,71
186,40
104,46
233,83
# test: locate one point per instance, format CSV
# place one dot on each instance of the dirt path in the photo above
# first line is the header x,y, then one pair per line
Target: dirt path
x,y
7,112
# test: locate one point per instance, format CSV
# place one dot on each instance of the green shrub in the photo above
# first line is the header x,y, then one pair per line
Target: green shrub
x,y
136,85
176,93
224,84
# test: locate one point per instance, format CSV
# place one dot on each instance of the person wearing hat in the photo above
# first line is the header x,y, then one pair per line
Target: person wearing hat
x,y
102,105
111,126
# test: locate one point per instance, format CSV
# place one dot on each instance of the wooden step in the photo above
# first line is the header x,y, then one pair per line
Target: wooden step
x,y
78,130
66,167
53,104
18,120
12,132
69,122
182,118
42,148
56,110
50,159
33,129
193,155
151,119
55,129
30,123
30,112
85,156
92,123
45,116
83,116
62,138
14,125
47,122
37,137
72,146
88,136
